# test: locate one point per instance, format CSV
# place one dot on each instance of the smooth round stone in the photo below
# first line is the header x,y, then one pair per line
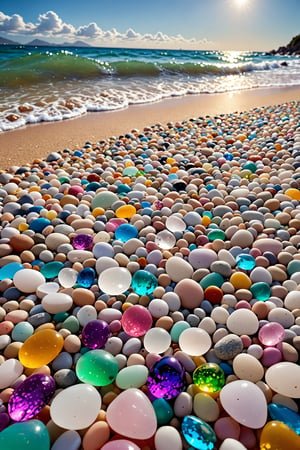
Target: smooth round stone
x,y
292,300
231,444
245,402
8,271
125,212
198,433
163,410
10,371
206,407
67,277
28,280
242,321
194,341
268,245
103,249
86,314
167,437
32,434
104,200
228,347
51,269
281,315
39,224
76,407
165,240
157,340
29,397
190,293
166,378
178,269
242,238
105,262
50,287
41,348
260,274
131,414
271,334
175,224
202,258
95,334
136,320
240,280
57,302
285,415
261,291
82,242
283,378
120,444
21,332
143,282
86,277
212,279
132,377
245,261
209,377
293,193
277,435
125,232
216,234
247,367
115,280
70,440
97,367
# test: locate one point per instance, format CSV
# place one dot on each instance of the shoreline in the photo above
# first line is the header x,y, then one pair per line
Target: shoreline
x,y
22,146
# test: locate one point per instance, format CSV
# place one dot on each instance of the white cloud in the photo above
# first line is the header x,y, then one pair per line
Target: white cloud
x,y
49,24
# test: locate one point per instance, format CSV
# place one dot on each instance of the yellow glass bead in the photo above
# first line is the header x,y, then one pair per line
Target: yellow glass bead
x,y
41,348
23,226
240,280
125,212
171,161
277,436
51,215
205,221
293,193
98,211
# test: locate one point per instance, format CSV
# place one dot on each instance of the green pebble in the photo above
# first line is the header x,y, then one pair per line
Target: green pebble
x,y
132,377
250,166
22,331
212,279
293,267
51,269
97,367
130,171
177,329
104,199
31,435
216,234
261,291
71,324
60,317
209,377
163,410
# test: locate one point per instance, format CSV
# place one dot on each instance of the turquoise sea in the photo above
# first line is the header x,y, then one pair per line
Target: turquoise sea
x,y
55,83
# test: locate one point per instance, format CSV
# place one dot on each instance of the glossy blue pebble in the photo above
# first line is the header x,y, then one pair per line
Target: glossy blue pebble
x,y
143,282
125,232
8,271
39,224
285,415
86,277
245,262
198,433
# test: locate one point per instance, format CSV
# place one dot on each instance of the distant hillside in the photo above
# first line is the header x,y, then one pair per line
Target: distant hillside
x,y
292,48
41,43
4,41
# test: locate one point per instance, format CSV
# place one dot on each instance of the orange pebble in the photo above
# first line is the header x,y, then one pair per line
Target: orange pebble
x,y
213,294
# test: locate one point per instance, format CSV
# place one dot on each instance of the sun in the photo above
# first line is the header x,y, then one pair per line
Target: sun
x,y
241,3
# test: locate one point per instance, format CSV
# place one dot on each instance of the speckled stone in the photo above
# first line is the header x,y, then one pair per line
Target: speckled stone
x,y
228,347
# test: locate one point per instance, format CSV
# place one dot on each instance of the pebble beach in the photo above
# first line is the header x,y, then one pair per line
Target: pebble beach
x,y
149,289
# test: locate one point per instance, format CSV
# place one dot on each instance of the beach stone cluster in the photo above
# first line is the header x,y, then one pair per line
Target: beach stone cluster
x,y
150,289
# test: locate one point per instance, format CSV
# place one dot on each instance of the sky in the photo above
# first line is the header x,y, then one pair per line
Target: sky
x,y
186,24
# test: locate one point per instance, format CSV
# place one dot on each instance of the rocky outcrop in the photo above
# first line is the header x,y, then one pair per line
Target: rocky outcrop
x,y
292,48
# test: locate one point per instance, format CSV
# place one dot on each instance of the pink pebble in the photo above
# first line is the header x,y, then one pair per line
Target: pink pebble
x,y
115,326
271,355
246,340
75,190
247,437
6,327
255,252
242,305
226,427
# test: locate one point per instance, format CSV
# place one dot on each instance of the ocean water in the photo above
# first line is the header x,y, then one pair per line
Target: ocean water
x,y
54,83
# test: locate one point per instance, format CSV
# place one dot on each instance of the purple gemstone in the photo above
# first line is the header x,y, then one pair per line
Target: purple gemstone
x,y
82,241
166,378
95,334
30,397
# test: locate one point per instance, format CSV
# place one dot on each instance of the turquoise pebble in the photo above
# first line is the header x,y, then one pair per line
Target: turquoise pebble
x,y
143,282
123,189
8,271
250,166
216,234
39,224
60,317
125,232
130,171
285,415
261,291
163,410
51,269
245,262
212,279
31,434
177,329
293,267
71,324
22,331
198,433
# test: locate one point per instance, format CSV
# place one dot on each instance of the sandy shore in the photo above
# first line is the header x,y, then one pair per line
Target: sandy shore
x,y
22,146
